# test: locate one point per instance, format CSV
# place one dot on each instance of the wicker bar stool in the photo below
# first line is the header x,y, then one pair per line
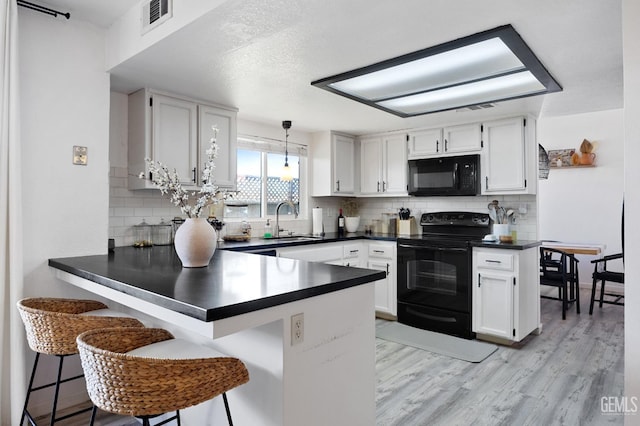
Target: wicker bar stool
x,y
146,372
52,326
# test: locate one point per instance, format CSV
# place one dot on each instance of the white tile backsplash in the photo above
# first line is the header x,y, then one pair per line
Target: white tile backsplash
x,y
373,208
128,208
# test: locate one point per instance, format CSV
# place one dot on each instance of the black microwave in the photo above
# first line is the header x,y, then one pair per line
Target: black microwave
x,y
458,175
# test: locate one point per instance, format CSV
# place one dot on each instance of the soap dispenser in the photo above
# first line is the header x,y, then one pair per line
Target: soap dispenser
x,y
268,233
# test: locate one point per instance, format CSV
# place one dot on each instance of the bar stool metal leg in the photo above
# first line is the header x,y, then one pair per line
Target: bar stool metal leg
x,y
57,383
226,407
26,399
57,392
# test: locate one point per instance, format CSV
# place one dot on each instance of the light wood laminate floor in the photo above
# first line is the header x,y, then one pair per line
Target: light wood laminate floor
x,y
556,378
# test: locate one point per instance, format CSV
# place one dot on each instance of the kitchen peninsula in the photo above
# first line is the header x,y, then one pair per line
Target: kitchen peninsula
x,y
242,304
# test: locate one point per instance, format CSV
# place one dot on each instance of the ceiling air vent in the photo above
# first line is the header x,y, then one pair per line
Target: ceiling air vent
x,y
476,107
155,12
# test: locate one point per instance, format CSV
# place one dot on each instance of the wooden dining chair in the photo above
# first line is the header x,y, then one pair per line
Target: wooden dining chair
x,y
602,274
560,269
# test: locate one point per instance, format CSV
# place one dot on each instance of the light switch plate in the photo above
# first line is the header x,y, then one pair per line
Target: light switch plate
x,y
80,156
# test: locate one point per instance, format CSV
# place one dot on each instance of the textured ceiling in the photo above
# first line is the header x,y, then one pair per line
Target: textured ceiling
x,y
261,55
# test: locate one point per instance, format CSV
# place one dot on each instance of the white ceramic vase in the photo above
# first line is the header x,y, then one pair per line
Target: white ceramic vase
x,y
195,242
351,223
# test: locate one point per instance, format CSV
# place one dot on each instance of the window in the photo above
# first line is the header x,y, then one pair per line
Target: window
x,y
259,184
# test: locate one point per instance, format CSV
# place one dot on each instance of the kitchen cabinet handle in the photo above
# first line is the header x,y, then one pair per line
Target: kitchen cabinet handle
x,y
387,269
437,146
486,182
478,280
493,261
338,185
194,175
378,190
378,251
446,148
384,186
432,248
353,251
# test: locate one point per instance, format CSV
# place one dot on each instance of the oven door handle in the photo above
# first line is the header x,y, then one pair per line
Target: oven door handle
x,y
455,249
431,317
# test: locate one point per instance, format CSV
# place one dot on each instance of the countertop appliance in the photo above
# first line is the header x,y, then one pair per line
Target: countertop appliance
x,y
434,272
457,175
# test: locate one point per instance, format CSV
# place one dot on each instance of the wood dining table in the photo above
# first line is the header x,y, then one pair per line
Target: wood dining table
x,y
593,249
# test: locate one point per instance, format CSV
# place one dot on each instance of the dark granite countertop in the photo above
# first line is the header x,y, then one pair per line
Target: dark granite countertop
x,y
232,284
256,244
516,245
265,244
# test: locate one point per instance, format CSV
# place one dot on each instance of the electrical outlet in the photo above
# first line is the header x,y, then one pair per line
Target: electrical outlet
x,y
297,329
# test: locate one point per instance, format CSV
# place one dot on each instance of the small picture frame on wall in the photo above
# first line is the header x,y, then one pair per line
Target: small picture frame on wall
x,y
560,157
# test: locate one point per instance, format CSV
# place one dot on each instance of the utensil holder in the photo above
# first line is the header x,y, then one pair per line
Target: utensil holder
x,y
407,227
501,229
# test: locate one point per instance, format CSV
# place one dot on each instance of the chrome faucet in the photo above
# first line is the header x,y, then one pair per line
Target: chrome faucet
x,y
295,212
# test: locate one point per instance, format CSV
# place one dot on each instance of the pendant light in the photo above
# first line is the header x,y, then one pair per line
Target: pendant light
x,y
286,170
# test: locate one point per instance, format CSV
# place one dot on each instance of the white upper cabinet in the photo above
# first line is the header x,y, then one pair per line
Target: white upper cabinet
x,y
225,121
394,165
176,131
343,161
462,139
164,129
425,143
174,138
370,166
383,165
508,160
333,164
451,140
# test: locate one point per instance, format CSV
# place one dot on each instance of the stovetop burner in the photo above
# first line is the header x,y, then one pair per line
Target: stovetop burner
x,y
455,225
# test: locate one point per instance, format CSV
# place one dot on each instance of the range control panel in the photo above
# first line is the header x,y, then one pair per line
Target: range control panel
x,y
455,219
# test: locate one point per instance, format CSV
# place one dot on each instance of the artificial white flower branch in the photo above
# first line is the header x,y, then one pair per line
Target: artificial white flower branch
x,y
169,183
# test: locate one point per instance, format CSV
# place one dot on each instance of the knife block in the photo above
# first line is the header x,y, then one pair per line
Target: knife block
x,y
407,227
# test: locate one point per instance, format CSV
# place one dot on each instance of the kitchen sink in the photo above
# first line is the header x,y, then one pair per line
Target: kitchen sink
x,y
295,238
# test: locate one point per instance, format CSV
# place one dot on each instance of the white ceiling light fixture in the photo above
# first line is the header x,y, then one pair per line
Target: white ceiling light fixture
x,y
494,65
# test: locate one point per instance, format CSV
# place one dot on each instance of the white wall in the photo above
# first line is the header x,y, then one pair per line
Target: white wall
x,y
631,52
583,205
64,102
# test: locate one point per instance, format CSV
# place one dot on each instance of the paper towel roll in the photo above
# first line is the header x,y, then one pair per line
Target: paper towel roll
x,y
317,221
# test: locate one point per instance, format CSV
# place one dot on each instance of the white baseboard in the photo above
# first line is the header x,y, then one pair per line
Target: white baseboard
x,y
610,287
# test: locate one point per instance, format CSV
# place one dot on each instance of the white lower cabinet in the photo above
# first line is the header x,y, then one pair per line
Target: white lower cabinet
x,y
378,255
382,256
506,293
353,254
326,253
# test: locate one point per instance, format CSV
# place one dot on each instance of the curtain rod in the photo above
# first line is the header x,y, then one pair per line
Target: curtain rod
x,y
259,139
42,9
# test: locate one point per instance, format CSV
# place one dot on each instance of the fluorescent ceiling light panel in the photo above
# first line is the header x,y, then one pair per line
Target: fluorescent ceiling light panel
x,y
490,66
500,88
